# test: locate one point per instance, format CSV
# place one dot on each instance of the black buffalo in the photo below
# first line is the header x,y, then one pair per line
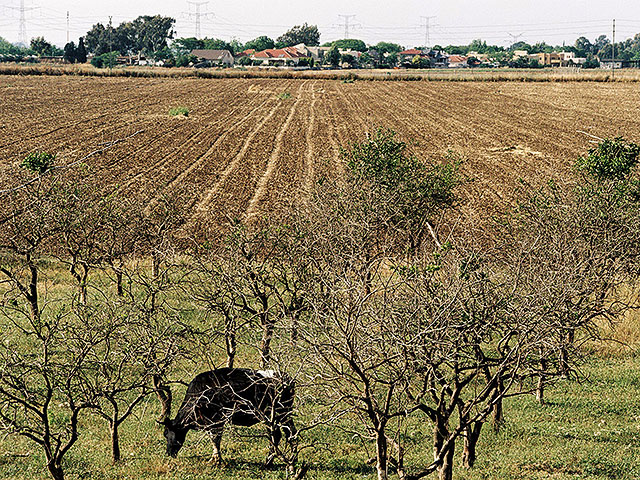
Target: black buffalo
x,y
233,395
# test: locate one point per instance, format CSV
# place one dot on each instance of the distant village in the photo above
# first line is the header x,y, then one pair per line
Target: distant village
x,y
149,41
303,57
308,57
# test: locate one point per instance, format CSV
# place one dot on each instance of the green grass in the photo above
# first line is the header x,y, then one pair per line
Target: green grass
x,y
588,430
284,96
174,112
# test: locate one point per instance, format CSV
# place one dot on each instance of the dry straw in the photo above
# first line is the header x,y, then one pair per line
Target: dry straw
x,y
443,75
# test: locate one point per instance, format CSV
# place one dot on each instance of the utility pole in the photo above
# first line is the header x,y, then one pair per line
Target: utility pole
x,y
427,22
22,34
515,38
67,26
613,52
197,14
110,34
347,19
23,24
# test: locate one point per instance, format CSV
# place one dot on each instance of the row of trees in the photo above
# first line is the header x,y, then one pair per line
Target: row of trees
x,y
146,34
152,35
378,310
75,54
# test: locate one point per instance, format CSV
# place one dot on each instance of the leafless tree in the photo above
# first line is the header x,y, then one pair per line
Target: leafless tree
x,y
254,278
43,386
569,252
126,348
28,233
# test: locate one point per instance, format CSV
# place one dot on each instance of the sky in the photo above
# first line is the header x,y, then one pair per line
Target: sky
x,y
499,22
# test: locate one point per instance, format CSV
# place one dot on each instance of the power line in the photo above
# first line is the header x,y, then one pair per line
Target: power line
x,y
427,21
613,51
22,33
347,19
515,38
197,15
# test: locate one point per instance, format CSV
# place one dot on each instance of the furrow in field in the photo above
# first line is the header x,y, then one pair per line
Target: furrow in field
x,y
235,183
181,177
183,149
109,104
310,154
265,182
323,136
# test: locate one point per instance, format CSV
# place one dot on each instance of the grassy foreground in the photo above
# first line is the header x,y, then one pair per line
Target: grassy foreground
x,y
588,430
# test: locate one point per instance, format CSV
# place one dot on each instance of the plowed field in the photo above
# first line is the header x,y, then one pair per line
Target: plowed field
x,y
246,150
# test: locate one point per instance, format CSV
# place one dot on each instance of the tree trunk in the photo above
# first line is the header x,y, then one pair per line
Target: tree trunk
x,y
155,265
115,441
54,468
564,353
294,327
541,381
497,416
265,344
164,395
471,436
445,471
81,279
230,341
119,288
497,413
440,436
55,471
32,296
381,453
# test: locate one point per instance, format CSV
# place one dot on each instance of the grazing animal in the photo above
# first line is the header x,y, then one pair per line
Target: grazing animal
x,y
238,396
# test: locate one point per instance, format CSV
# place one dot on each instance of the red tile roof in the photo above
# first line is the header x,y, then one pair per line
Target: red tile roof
x,y
246,53
457,59
412,51
288,52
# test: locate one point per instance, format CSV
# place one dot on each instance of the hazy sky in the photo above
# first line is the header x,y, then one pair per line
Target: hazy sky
x,y
454,22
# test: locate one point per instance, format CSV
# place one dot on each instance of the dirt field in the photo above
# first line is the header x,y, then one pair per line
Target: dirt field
x,y
245,150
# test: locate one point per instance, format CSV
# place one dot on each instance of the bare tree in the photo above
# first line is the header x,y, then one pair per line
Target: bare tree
x,y
571,250
28,232
44,385
253,279
126,349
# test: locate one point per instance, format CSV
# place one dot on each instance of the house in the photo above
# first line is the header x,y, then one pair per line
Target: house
x,y
354,53
280,57
214,57
245,53
458,61
618,63
483,57
555,59
436,58
407,55
317,53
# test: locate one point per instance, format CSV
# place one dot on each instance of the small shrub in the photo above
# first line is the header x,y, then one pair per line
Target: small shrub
x,y
284,95
184,111
610,159
38,162
106,60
